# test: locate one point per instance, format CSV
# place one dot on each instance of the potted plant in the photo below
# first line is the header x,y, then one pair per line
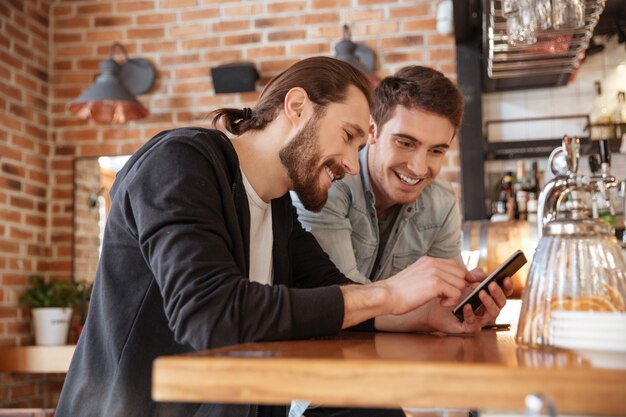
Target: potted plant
x,y
52,305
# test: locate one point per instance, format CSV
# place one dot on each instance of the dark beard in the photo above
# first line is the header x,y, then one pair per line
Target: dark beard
x,y
301,157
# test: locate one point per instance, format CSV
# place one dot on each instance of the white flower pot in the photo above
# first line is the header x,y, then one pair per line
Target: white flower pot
x,y
51,325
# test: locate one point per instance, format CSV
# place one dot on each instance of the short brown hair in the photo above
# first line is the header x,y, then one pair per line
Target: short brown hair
x,y
326,80
418,87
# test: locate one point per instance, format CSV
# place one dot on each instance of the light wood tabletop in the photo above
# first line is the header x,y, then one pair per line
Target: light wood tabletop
x,y
486,372
36,359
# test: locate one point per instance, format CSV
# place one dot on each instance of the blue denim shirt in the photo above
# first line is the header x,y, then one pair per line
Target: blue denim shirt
x,y
347,227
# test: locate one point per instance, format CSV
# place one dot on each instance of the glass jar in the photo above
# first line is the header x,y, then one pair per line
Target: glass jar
x,y
578,266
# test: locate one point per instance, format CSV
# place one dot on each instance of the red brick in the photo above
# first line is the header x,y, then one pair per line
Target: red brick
x,y
375,29
265,51
439,40
194,72
192,87
156,19
94,8
80,135
113,21
68,92
247,10
10,91
23,142
189,30
200,14
330,4
10,60
107,35
401,42
158,46
37,31
9,153
62,10
176,4
9,247
73,51
219,57
146,33
166,61
72,23
441,54
120,134
292,6
415,11
22,112
62,65
272,22
21,234
277,66
419,24
334,32
312,19
286,35
310,49
8,122
15,33
134,6
203,43
9,312
232,25
38,176
25,82
409,57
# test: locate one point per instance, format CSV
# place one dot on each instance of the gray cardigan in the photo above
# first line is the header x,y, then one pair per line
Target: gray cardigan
x,y
173,279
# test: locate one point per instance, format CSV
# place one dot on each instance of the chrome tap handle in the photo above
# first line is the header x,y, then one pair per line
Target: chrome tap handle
x,y
571,146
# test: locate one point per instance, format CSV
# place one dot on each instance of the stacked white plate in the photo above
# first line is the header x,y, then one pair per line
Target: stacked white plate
x,y
600,337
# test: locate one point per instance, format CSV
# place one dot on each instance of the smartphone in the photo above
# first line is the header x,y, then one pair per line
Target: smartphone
x,y
506,269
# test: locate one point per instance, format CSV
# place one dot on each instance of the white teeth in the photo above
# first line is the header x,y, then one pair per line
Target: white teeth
x,y
408,180
330,174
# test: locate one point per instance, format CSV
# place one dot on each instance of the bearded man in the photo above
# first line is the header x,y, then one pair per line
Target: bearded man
x,y
203,249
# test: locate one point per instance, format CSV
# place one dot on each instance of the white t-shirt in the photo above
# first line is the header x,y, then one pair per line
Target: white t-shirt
x,y
261,236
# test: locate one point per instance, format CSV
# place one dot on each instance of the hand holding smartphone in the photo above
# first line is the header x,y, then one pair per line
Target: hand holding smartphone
x,y
506,269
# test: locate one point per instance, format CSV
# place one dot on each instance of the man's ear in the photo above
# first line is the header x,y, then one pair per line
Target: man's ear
x,y
372,132
295,103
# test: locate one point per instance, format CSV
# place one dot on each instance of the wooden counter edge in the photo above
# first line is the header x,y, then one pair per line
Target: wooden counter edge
x,y
415,384
36,359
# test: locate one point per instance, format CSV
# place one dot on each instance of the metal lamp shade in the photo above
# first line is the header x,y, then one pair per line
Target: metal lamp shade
x,y
359,55
108,100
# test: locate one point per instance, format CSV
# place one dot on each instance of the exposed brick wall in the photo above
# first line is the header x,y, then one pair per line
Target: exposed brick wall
x,y
25,150
47,59
24,157
184,39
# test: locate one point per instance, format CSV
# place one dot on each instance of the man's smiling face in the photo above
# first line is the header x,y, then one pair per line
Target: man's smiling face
x,y
326,149
406,154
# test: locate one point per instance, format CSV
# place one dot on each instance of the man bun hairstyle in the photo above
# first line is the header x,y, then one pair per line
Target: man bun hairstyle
x,y
325,80
418,87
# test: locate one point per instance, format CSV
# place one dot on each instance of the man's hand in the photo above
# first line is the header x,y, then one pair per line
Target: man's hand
x,y
428,278
436,317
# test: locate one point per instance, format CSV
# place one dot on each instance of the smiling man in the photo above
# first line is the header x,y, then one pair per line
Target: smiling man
x,y
397,210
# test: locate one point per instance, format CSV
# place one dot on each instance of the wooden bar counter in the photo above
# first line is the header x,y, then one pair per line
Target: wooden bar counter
x,y
485,372
36,359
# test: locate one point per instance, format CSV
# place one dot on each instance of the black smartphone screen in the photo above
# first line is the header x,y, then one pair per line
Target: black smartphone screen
x,y
506,269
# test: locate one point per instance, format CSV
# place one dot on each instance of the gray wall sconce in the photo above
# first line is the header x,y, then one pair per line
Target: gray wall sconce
x,y
237,77
112,97
359,55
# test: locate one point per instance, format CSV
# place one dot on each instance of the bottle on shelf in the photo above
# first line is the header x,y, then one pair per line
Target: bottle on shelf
x,y
619,116
521,191
506,197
